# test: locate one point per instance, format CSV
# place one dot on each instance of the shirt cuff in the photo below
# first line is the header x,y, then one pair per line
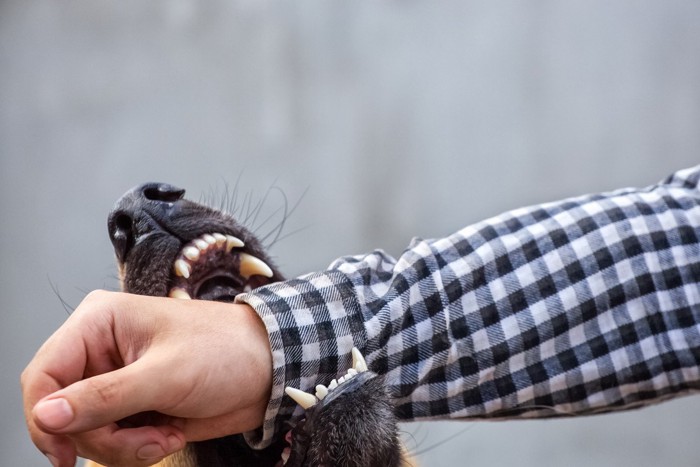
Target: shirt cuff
x,y
313,323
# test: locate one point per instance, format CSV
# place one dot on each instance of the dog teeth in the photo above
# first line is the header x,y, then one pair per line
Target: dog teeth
x,y
206,241
191,253
351,373
219,244
307,400
233,242
182,268
321,392
358,361
177,292
286,452
304,399
220,239
251,266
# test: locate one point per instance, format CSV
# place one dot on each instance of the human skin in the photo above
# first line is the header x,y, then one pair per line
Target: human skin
x,y
204,367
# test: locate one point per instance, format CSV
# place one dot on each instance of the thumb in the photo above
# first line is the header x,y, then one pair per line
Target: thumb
x,y
98,401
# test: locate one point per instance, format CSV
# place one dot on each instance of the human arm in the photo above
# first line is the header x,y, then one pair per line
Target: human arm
x,y
578,306
586,305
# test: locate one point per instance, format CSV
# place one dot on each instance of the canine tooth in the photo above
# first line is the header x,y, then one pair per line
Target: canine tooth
x,y
177,292
209,239
250,266
358,361
182,268
201,244
321,392
333,385
233,242
220,239
304,399
286,452
191,253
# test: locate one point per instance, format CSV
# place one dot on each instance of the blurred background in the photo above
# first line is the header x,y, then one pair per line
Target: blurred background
x,y
380,120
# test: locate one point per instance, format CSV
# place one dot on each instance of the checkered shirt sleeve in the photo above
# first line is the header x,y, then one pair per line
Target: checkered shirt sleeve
x,y
586,305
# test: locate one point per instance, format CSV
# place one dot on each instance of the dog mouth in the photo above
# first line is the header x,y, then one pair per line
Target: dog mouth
x,y
214,266
297,440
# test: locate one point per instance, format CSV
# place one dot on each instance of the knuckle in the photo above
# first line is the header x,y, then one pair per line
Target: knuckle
x,y
97,295
105,391
24,378
36,436
97,303
29,377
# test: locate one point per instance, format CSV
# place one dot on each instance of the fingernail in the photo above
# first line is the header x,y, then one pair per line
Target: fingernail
x,y
54,414
53,460
150,451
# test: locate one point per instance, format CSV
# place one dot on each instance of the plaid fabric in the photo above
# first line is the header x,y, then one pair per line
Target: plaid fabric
x,y
586,305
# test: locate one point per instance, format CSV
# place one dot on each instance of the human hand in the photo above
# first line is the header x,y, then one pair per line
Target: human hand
x,y
204,368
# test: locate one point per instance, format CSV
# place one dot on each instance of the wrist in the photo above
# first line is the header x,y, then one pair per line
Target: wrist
x,y
259,350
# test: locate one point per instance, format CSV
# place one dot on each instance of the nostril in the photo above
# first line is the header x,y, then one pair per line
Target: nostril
x,y
121,232
123,223
163,192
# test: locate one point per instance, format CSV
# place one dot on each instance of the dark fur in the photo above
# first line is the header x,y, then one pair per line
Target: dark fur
x,y
354,426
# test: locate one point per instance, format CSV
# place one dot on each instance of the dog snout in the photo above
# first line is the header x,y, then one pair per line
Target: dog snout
x,y
140,211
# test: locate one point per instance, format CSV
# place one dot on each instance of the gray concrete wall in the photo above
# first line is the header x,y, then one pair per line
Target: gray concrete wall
x,y
400,118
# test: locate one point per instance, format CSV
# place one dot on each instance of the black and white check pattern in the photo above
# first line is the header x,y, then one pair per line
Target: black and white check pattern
x,y
586,305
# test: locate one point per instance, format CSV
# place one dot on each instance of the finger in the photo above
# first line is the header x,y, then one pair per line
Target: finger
x,y
63,359
240,421
37,383
114,446
84,345
59,449
102,399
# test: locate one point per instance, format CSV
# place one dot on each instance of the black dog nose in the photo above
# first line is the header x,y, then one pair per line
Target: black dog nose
x,y
130,216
